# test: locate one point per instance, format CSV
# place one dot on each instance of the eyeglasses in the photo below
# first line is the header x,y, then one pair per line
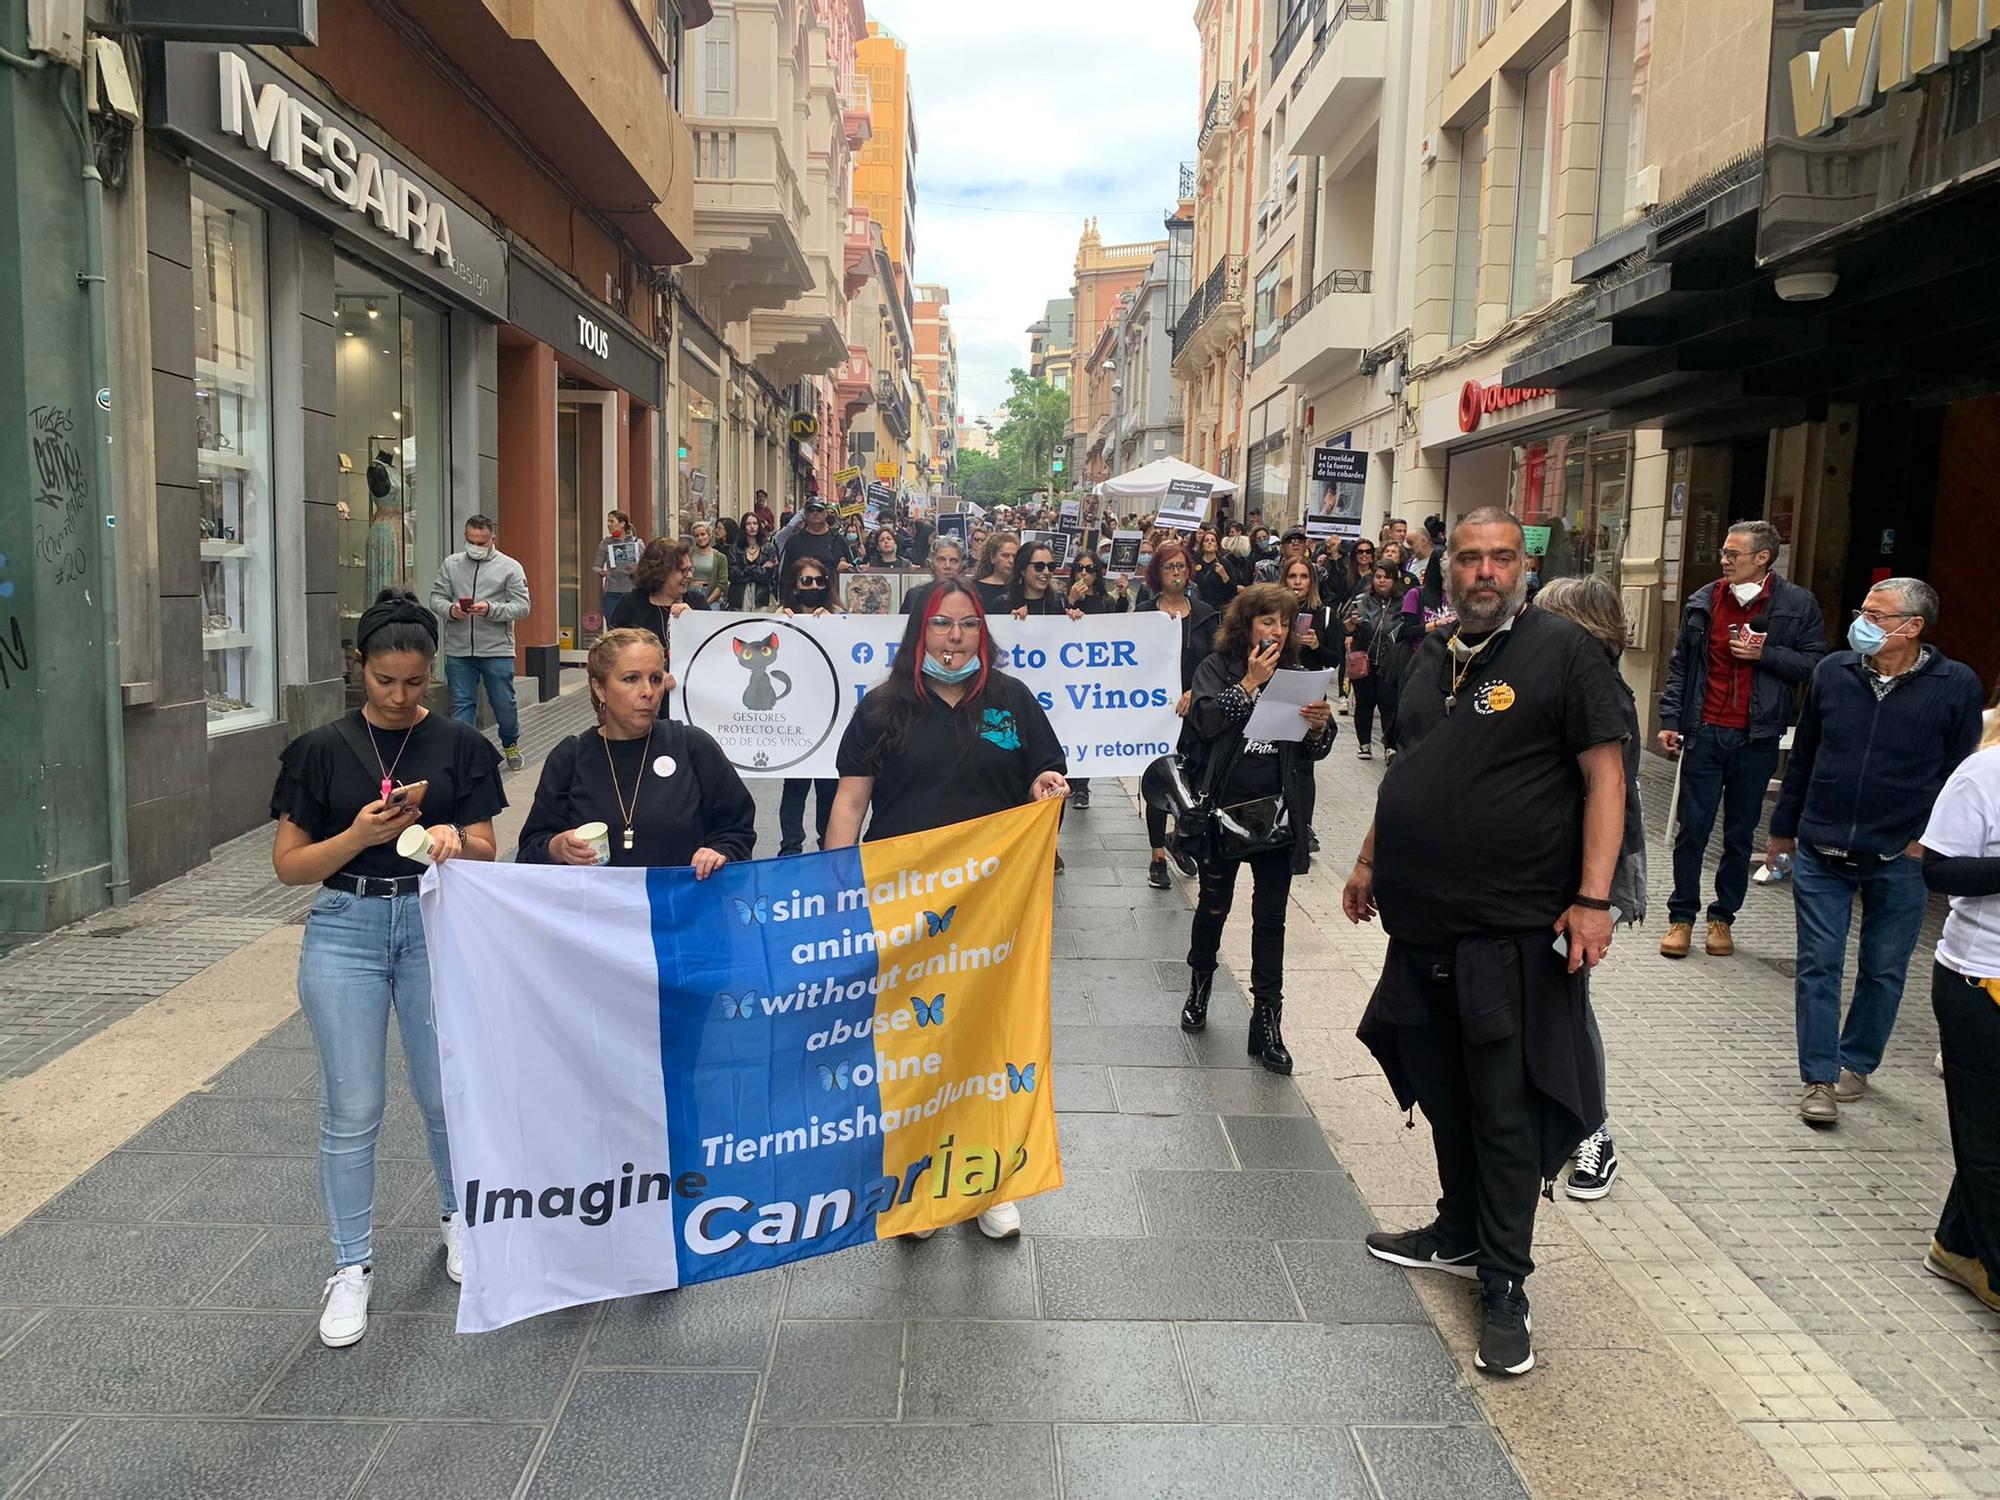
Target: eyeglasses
x,y
945,622
1880,616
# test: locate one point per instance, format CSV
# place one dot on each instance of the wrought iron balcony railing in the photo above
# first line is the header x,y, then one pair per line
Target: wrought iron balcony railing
x,y
1338,12
1224,283
1333,281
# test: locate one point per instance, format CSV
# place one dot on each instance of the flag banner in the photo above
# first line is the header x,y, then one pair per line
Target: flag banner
x,y
656,1080
777,693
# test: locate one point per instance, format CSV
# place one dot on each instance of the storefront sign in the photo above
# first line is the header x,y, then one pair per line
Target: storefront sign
x,y
1889,47
804,425
259,126
885,471
558,315
1476,402
1476,410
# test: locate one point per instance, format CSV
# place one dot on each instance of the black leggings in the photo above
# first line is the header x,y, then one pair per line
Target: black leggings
x,y
1270,889
1969,1028
1365,689
1156,826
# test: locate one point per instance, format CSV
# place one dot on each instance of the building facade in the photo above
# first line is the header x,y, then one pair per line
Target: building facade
x,y
1147,418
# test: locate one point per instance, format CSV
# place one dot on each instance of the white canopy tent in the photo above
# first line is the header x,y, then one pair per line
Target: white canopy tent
x,y
1149,483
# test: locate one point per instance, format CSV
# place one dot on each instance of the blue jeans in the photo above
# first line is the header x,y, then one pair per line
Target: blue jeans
x,y
792,811
1892,915
1722,767
362,955
464,674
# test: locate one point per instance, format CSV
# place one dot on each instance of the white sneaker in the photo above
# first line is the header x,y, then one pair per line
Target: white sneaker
x,y
454,1247
1001,1222
916,1234
345,1317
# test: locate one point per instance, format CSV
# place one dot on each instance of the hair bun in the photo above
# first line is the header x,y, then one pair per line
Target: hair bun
x,y
394,609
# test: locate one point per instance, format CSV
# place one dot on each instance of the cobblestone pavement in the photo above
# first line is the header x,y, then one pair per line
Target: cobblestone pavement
x,y
1192,1315
1782,1262
72,984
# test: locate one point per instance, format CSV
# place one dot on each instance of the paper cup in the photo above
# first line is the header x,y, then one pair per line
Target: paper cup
x,y
598,836
415,843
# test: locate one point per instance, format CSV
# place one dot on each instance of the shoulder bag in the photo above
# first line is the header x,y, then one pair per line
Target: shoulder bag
x,y
1204,831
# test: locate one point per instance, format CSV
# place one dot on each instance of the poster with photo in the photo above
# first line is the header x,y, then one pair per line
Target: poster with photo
x,y
1185,505
1057,542
872,593
1336,492
1125,547
954,524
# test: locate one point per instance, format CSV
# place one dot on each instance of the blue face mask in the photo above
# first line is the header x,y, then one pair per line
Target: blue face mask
x,y
935,668
1865,636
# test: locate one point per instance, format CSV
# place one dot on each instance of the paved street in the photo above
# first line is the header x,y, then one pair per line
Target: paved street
x,y
1192,1315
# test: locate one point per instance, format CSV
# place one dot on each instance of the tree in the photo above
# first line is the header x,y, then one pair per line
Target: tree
x,y
983,479
1037,418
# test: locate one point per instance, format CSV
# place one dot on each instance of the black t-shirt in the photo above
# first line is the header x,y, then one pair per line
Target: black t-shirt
x,y
1479,823
1051,603
992,596
829,548
322,783
687,797
961,763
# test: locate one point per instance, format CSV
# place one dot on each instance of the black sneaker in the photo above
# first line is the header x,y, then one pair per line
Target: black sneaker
x,y
1364,752
1424,1250
1079,797
1596,1165
1157,877
1059,864
1183,861
1504,1327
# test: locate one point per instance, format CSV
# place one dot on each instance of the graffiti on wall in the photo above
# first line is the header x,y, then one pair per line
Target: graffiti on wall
x,y
13,642
62,491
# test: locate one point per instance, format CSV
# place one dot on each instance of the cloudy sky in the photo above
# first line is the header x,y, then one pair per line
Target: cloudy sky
x,y
1030,116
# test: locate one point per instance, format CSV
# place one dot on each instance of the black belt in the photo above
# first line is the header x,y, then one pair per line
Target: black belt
x,y
1849,861
373,885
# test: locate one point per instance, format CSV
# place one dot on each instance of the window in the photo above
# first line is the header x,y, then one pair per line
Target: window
x,y
1460,21
1541,169
718,67
232,437
1489,17
1571,491
1622,145
1465,238
669,33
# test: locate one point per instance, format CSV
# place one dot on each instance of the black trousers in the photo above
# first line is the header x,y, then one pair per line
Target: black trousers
x,y
1156,826
1969,1028
792,811
1270,889
1486,1127
1365,689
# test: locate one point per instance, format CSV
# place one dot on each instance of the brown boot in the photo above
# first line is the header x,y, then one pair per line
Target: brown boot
x,y
1675,944
1720,943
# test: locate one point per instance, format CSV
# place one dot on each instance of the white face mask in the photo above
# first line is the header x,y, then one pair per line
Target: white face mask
x,y
476,553
1745,592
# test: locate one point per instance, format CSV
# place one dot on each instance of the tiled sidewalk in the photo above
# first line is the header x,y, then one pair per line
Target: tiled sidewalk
x,y
1193,1315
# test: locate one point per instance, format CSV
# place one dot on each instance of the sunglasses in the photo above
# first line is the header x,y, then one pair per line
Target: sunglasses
x,y
1040,567
1086,567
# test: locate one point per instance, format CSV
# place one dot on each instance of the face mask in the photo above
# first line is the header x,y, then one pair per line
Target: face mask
x,y
1865,636
478,554
937,669
1745,592
811,590
1145,560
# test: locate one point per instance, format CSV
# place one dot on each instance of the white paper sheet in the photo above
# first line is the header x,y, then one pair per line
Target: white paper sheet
x,y
1276,716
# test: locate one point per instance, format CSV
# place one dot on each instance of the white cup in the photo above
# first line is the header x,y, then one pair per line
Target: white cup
x,y
598,837
414,843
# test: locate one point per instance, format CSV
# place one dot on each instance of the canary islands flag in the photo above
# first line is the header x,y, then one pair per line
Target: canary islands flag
x,y
653,1080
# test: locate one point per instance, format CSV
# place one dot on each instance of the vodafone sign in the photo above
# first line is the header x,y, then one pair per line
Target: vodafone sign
x,y
1478,408
1477,402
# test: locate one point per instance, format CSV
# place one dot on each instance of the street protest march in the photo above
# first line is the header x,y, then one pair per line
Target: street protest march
x,y
659,1080
777,693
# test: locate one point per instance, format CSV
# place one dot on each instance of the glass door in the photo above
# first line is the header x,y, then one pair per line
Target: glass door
x,y
586,493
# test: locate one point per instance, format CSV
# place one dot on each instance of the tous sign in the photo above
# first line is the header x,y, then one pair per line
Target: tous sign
x,y
1476,402
315,150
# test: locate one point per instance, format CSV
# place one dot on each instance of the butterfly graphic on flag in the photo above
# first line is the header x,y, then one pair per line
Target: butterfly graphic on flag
x,y
1019,1080
929,1013
840,1076
746,913
937,926
737,1009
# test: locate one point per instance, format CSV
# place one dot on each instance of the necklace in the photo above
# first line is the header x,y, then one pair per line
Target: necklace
x,y
627,813
388,771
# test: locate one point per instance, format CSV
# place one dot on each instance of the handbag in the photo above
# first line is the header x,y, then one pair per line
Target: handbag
x,y
1204,831
1357,665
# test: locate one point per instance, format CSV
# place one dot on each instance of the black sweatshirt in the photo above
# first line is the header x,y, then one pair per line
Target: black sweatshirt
x,y
689,797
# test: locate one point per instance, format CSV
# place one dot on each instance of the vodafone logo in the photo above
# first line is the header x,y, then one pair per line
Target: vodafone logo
x,y
1476,402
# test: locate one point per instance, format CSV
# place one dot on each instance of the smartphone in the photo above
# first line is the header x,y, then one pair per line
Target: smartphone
x,y
409,793
1302,626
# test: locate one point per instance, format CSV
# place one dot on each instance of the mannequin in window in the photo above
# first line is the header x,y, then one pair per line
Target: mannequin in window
x,y
385,524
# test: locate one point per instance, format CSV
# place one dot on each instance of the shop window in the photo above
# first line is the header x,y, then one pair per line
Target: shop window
x,y
1465,239
1542,120
1572,491
700,451
1622,143
392,432
232,437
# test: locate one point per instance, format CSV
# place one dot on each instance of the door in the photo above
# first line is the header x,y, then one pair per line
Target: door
x,y
586,493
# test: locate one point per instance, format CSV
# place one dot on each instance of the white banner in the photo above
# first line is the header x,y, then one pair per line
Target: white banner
x,y
777,693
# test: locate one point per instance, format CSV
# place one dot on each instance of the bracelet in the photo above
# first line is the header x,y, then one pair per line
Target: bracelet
x,y
1362,859
1591,903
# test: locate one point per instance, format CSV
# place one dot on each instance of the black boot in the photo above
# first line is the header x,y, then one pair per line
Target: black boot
x,y
1194,1015
1267,1041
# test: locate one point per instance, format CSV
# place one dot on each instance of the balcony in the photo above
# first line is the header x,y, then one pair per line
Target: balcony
x,y
1324,334
858,249
854,382
894,407
1342,81
1309,19
808,336
857,110
1212,318
1215,116
748,209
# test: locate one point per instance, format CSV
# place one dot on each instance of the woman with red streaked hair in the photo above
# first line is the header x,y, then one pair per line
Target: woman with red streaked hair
x,y
946,738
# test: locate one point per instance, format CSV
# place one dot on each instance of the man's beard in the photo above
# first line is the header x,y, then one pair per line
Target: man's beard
x,y
1484,612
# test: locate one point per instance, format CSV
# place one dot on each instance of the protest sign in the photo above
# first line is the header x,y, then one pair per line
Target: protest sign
x,y
1335,493
1185,506
1108,683
1125,550
659,1081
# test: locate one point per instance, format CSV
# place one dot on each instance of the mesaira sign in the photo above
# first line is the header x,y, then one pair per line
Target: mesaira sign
x,y
1889,47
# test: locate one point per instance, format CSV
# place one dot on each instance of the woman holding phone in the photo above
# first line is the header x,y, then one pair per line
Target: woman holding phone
x,y
1253,641
363,804
664,791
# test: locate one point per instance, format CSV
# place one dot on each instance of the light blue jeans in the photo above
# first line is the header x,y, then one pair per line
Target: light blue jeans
x,y
1892,918
464,674
362,956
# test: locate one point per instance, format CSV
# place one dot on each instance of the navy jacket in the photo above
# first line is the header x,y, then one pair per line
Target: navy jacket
x,y
1863,772
1794,643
